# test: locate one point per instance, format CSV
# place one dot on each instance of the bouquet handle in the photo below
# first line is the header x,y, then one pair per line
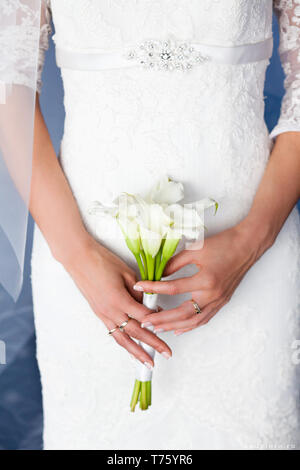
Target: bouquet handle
x,y
143,374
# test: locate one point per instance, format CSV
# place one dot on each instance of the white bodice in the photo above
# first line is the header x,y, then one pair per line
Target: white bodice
x,y
110,25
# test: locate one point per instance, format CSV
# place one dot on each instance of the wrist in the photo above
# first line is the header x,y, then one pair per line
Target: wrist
x,y
257,235
78,248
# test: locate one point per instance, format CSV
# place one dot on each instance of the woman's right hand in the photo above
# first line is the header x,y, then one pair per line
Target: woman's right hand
x,y
107,284
103,278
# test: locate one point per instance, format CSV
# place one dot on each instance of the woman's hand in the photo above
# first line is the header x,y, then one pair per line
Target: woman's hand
x,y
102,277
222,262
107,283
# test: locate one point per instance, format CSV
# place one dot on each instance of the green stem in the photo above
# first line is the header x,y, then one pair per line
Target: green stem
x,y
135,395
143,398
158,260
149,399
145,263
151,267
160,270
141,267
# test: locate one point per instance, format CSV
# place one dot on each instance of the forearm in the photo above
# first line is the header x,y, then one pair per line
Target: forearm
x,y
52,204
277,193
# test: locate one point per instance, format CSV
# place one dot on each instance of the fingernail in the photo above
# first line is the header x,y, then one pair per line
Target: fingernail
x,y
177,333
166,355
148,365
158,330
138,288
147,323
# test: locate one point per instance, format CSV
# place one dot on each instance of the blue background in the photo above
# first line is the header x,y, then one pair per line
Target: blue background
x,y
21,418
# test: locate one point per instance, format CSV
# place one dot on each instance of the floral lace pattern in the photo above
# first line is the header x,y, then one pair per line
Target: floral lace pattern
x,y
257,14
234,384
44,39
19,32
288,12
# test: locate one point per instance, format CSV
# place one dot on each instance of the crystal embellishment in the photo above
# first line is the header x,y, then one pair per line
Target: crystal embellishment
x,y
166,55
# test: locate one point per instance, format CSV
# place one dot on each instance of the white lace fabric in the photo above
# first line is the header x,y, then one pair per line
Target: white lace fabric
x,y
18,29
46,30
288,13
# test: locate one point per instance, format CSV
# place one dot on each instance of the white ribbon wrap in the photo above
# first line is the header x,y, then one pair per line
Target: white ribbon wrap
x,y
94,60
142,372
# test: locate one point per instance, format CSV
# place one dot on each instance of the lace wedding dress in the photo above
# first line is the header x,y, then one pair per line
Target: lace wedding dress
x,y
232,384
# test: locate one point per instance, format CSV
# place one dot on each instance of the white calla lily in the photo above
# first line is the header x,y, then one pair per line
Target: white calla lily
x,y
97,208
151,241
204,204
166,191
186,220
152,228
131,233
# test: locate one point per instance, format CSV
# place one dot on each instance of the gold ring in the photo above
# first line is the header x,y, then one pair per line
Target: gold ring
x,y
112,330
196,307
122,326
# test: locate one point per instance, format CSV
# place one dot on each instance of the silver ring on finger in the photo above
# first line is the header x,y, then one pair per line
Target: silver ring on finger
x,y
113,330
124,324
198,310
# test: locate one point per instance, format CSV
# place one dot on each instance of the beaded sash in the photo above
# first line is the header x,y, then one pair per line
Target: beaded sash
x,y
164,55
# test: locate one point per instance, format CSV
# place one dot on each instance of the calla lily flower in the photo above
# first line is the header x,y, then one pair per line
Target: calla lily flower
x,y
152,228
154,225
166,191
131,234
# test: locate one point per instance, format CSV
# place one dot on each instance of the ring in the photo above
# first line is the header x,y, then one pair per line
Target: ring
x,y
122,326
112,330
196,307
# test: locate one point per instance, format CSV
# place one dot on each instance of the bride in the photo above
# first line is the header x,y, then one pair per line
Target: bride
x,y
224,379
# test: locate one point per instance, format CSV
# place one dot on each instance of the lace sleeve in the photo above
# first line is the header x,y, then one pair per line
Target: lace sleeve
x,y
288,13
44,39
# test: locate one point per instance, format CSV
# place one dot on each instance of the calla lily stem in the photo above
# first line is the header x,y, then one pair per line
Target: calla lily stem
x,y
150,267
159,272
141,267
145,263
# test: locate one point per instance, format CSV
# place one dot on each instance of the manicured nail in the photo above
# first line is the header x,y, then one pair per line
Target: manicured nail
x,y
158,330
147,323
138,288
166,355
148,365
177,333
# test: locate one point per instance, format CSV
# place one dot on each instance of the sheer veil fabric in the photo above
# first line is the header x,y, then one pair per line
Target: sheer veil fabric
x,y
20,23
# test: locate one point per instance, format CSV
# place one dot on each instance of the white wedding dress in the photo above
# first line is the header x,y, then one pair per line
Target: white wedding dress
x,y
232,384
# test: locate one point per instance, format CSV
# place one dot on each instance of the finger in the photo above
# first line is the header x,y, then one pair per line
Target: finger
x,y
133,308
207,314
179,261
174,287
129,283
183,312
133,348
180,332
146,336
193,321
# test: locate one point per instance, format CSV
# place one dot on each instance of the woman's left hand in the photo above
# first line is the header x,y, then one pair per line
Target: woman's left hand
x,y
222,263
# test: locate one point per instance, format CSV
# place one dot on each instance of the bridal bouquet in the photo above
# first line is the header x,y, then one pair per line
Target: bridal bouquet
x,y
152,227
